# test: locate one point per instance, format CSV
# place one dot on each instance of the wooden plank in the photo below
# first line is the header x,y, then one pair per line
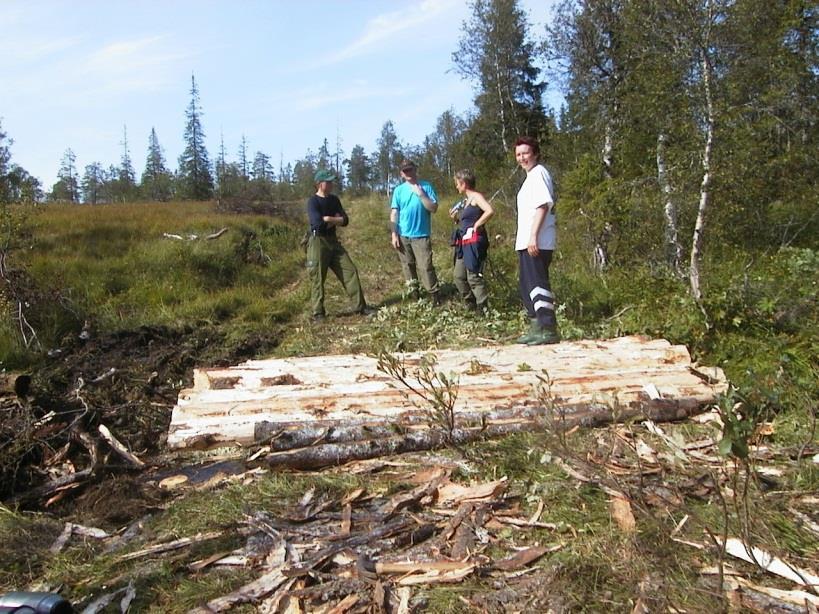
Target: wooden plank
x,y
317,393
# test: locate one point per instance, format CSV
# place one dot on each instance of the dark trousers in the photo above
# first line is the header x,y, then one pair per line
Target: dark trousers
x,y
535,290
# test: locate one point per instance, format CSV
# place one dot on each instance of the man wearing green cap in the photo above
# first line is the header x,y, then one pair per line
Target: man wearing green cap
x,y
325,213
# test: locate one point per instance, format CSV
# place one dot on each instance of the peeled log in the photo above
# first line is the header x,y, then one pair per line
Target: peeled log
x,y
345,401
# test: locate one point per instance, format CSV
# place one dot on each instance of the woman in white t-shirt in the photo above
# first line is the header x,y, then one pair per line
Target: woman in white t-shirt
x,y
535,242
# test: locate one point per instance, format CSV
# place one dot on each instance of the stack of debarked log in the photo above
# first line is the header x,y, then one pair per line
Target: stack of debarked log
x,y
323,410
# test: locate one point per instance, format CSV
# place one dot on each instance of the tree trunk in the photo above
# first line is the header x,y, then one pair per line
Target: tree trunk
x,y
672,236
699,228
504,138
313,457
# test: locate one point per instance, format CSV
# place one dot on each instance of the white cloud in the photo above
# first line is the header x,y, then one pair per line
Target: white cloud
x,y
390,25
313,98
130,64
32,50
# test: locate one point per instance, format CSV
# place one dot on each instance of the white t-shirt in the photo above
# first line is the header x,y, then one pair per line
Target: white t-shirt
x,y
537,190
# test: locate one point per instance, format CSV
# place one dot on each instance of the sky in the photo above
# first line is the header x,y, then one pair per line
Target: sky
x,y
286,74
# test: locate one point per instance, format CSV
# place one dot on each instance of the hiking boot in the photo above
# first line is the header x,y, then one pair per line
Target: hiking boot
x,y
530,335
318,317
544,336
367,311
437,301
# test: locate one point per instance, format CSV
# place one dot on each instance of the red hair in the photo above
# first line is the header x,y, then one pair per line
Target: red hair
x,y
530,141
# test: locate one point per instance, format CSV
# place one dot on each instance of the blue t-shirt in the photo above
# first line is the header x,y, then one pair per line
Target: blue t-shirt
x,y
413,219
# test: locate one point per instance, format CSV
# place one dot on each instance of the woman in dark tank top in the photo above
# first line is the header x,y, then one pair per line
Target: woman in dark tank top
x,y
470,241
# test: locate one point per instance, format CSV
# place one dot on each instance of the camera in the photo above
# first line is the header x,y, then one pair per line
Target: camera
x,y
34,603
456,208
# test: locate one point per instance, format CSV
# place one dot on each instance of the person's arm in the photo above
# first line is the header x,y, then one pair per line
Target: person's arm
x,y
339,217
394,239
314,217
537,222
485,206
430,204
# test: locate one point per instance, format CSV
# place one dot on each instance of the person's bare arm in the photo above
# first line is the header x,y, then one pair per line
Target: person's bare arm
x,y
394,239
429,204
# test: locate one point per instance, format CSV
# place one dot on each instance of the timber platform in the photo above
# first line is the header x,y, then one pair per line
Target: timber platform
x,y
347,403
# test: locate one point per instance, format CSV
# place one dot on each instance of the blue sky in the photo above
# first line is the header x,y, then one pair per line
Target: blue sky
x,y
286,74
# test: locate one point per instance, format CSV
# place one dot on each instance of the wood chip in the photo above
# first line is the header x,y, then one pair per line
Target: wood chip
x,y
620,510
404,594
736,548
250,592
434,577
451,492
353,496
538,511
524,557
801,599
522,522
346,519
422,566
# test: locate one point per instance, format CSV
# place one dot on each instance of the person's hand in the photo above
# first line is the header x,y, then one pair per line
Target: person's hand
x,y
533,250
419,191
396,243
469,232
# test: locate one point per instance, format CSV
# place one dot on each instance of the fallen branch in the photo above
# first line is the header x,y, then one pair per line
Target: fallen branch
x,y
117,447
173,545
193,237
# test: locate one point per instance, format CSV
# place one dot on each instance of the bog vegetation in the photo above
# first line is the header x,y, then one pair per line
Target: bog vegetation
x,y
686,165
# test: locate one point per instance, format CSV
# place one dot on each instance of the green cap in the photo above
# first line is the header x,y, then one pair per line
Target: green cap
x,y
324,175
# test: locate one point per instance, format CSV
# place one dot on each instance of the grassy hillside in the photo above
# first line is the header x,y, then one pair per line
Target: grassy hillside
x,y
109,274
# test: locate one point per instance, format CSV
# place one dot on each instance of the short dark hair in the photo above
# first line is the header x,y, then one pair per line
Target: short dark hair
x,y
407,165
467,176
530,141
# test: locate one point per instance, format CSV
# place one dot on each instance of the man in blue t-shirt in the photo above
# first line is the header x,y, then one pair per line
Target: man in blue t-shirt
x,y
412,203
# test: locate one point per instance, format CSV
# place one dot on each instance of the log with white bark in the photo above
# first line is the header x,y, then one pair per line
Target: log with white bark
x,y
346,402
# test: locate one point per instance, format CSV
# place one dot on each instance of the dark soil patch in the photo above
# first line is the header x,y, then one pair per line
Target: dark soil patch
x,y
128,381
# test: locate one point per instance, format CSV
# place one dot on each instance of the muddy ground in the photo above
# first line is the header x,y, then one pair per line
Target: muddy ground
x,y
128,381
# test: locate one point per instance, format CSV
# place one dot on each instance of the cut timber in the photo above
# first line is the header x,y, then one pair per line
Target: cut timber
x,y
336,408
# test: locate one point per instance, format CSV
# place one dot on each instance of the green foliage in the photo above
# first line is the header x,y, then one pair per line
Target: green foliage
x,y
111,267
436,391
737,428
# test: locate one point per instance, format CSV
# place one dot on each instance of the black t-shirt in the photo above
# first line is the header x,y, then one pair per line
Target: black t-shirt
x,y
320,206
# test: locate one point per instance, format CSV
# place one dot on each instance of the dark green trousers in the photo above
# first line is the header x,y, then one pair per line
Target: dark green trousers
x,y
471,286
326,253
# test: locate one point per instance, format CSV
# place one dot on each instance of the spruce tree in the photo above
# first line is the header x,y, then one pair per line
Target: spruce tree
x,y
358,170
67,188
157,181
387,157
123,186
195,179
93,182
